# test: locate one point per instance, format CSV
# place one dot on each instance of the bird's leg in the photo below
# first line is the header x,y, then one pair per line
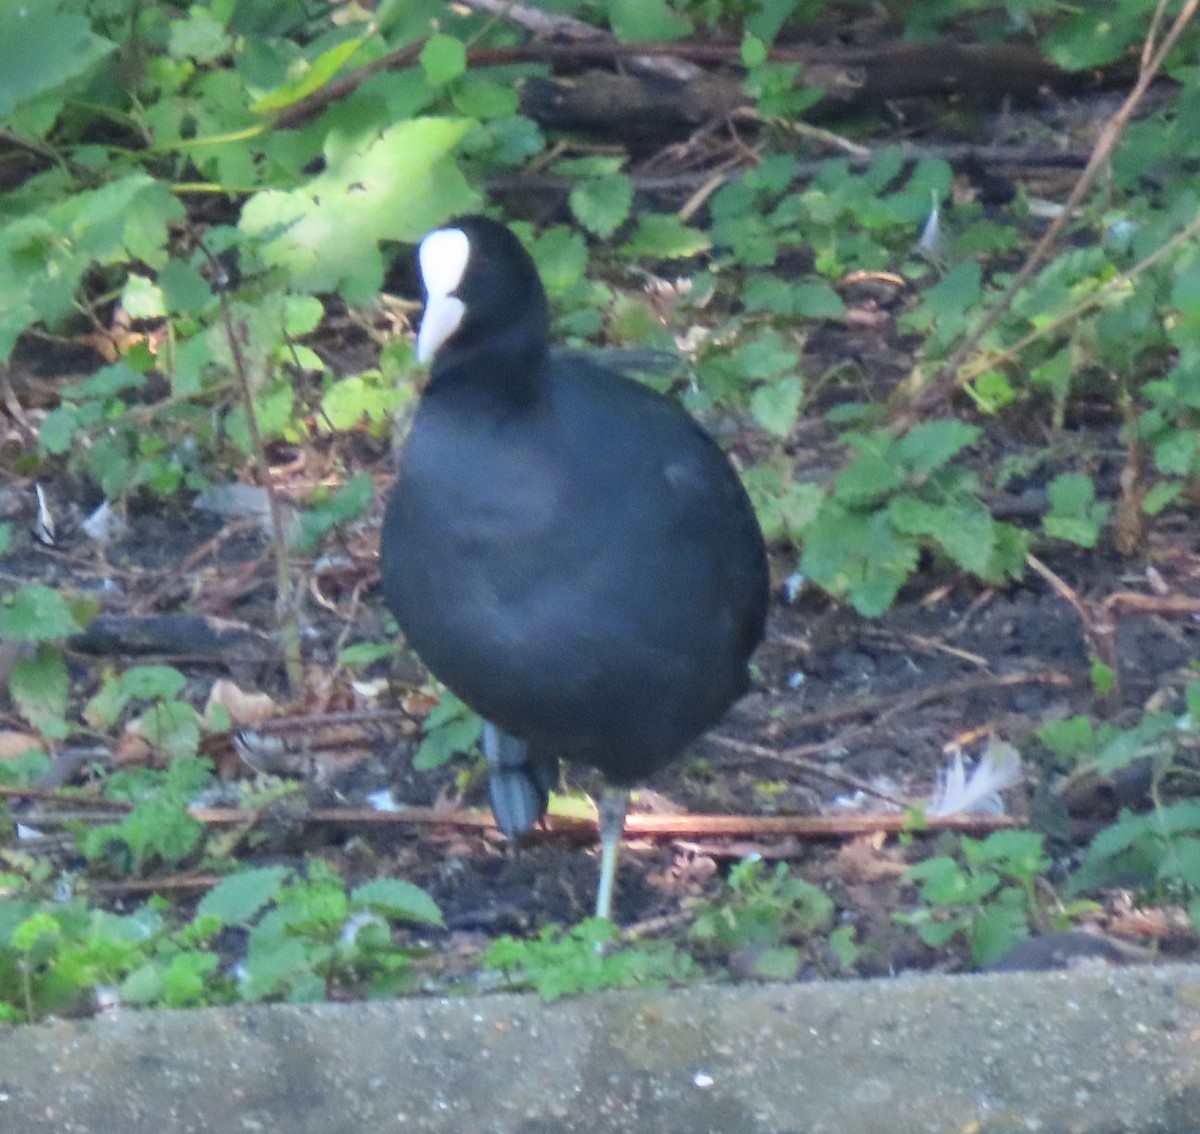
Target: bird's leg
x,y
517,801
613,802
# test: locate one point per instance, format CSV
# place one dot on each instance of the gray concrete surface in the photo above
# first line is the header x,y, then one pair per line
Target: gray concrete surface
x,y
1116,1052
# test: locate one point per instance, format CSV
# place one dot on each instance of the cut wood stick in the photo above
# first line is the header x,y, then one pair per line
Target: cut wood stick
x,y
640,826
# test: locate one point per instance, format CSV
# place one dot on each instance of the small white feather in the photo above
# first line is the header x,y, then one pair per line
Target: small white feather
x,y
44,531
999,768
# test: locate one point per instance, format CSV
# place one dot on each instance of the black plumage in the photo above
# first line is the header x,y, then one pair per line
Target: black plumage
x,y
566,549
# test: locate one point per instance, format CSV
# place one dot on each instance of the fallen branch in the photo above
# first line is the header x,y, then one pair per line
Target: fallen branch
x,y
555,826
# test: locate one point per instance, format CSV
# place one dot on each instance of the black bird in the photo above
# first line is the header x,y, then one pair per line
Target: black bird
x,y
566,549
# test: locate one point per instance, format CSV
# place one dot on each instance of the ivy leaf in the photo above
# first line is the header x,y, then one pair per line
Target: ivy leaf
x,y
602,204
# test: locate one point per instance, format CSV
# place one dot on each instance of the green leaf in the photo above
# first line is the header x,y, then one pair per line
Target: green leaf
x,y
39,685
184,980
931,444
197,36
171,727
785,507
644,21
236,900
1175,454
152,682
1104,681
602,204
36,613
142,298
5,538
362,654
302,314
317,75
1071,738
663,236
860,557
348,503
450,728
561,256
396,898
1074,513
184,289
483,98
42,49
964,530
396,186
754,51
767,18
996,930
443,58
813,299
1162,495
781,962
271,971
871,475
776,405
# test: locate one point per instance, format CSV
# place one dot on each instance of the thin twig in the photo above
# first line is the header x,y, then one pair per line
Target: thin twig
x,y
285,602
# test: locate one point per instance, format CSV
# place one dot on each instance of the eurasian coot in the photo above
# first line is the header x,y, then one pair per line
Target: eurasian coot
x,y
566,549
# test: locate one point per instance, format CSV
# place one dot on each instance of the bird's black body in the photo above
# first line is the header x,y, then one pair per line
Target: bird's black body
x,y
566,549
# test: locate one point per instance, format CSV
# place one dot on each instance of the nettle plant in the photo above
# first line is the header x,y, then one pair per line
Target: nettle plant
x,y
896,497
1155,851
985,894
302,937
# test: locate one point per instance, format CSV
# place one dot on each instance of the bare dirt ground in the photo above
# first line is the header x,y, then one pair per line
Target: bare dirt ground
x,y
838,701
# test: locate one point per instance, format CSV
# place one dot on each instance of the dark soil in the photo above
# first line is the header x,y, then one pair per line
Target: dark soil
x,y
881,702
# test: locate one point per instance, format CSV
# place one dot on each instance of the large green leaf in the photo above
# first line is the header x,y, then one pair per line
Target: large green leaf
x,y
393,186
41,50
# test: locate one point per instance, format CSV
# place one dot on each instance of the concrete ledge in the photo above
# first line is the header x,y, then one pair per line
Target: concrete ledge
x,y
1116,1052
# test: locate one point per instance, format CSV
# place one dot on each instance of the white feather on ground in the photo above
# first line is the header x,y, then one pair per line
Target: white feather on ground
x,y
999,768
